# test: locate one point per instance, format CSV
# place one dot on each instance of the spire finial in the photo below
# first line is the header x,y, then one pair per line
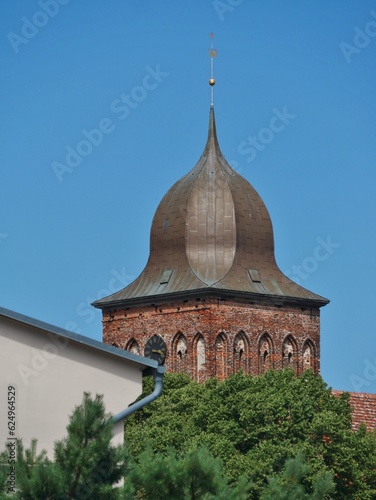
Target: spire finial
x,y
213,53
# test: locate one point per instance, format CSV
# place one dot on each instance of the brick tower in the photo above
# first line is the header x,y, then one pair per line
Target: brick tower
x,y
211,288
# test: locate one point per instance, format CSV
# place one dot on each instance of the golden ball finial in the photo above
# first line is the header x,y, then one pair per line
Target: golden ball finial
x,y
211,82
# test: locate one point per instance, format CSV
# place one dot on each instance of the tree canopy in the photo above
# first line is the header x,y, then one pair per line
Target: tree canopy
x,y
255,424
275,436
86,464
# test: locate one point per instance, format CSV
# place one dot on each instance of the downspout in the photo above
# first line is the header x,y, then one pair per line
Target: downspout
x,y
158,386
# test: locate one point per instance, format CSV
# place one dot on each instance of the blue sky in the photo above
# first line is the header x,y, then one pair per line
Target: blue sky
x,y
133,77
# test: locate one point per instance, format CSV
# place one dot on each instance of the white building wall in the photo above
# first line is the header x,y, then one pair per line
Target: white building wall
x,y
50,374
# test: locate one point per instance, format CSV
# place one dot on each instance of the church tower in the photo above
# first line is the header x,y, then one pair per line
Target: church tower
x,y
211,295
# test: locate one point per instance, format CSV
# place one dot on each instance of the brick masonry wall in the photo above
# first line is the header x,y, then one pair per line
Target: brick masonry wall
x,y
210,337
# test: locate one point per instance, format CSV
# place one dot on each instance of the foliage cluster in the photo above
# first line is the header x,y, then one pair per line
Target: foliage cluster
x,y
275,436
255,424
86,464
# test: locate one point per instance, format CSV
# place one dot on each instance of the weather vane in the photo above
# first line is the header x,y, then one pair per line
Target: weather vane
x,y
212,53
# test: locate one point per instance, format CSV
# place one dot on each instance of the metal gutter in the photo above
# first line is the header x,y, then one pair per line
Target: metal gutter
x,y
158,386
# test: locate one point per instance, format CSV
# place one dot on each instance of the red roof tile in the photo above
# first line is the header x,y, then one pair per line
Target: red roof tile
x,y
364,409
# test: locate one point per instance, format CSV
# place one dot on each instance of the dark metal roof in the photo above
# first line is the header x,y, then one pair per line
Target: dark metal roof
x,y
211,232
144,363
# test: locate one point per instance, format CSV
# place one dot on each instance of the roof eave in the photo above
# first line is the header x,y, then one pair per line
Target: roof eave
x,y
221,294
144,363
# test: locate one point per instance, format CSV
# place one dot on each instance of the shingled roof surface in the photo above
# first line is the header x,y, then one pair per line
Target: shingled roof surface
x,y
212,233
364,409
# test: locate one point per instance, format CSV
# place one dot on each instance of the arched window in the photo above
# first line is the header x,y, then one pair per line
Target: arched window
x,y
289,353
241,352
308,355
132,346
200,358
265,353
220,356
180,352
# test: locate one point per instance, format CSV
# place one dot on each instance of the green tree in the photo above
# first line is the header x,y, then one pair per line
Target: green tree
x,y
255,424
290,486
251,427
195,475
85,464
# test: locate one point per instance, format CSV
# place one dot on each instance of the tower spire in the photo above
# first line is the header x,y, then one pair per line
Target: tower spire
x,y
213,53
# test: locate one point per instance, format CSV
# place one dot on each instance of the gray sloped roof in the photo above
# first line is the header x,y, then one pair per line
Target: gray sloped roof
x,y
143,362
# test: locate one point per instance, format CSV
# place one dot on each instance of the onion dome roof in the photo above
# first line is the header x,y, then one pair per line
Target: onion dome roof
x,y
212,236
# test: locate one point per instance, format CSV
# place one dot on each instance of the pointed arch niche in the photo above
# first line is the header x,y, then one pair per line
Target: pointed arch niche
x,y
290,353
309,355
179,353
241,353
265,349
220,356
133,347
199,358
